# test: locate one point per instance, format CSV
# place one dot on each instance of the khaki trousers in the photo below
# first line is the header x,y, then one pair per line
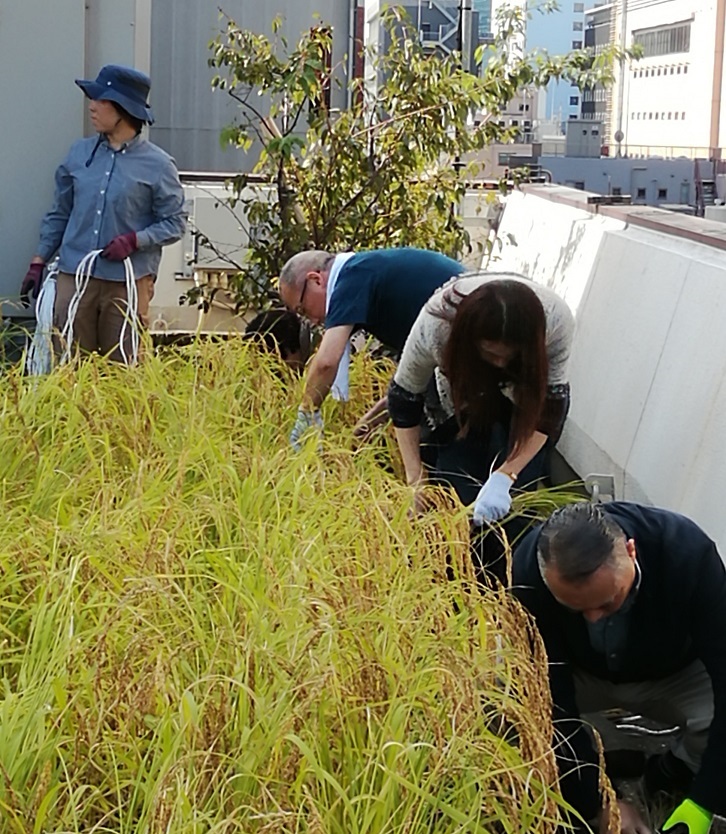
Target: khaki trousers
x,y
684,700
101,314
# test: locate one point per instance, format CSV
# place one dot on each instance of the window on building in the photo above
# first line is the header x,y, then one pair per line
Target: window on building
x,y
662,193
683,116
521,108
685,69
679,70
664,40
579,185
675,116
640,194
526,108
574,101
670,115
573,115
577,26
656,115
616,191
673,69
578,8
650,115
577,44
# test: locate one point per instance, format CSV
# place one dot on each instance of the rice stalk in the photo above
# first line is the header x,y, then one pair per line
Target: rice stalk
x,y
202,631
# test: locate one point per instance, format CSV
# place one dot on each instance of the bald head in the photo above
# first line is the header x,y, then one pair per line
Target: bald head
x,y
303,284
297,267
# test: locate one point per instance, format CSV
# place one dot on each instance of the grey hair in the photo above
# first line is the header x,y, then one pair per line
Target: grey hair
x,y
577,540
310,260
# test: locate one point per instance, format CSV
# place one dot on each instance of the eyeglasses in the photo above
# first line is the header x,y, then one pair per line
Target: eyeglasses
x,y
299,308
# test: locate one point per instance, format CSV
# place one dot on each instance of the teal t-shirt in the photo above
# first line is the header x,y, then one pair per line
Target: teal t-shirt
x,y
382,291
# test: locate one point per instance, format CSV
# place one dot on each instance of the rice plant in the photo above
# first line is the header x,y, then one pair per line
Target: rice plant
x,y
203,632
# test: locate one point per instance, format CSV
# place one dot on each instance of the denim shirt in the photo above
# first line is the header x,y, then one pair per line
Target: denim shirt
x,y
101,193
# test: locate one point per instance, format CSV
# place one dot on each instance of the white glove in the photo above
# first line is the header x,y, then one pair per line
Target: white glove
x,y
305,420
494,500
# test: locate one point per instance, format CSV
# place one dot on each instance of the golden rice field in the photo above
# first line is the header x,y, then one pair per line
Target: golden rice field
x,y
204,632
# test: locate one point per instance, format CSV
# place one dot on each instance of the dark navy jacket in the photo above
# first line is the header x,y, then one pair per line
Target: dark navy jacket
x,y
678,615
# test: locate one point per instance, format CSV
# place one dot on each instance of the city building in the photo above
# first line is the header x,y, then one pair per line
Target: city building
x,y
557,32
443,26
669,103
483,8
597,100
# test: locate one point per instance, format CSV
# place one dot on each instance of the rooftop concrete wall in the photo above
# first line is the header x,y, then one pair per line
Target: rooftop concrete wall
x,y
648,368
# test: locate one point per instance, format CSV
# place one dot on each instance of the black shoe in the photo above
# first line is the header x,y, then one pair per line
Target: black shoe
x,y
664,773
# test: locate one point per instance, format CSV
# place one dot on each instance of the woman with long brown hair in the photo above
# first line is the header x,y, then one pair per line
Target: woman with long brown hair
x,y
485,371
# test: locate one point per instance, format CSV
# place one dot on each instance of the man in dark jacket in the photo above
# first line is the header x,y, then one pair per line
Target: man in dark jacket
x,y
631,604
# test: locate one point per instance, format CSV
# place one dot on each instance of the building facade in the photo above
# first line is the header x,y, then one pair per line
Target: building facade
x,y
557,32
597,100
484,30
189,115
669,103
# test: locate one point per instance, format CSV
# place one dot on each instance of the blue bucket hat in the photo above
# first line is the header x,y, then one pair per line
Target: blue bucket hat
x,y
125,86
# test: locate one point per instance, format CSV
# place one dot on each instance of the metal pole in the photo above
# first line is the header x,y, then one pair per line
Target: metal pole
x,y
619,135
465,43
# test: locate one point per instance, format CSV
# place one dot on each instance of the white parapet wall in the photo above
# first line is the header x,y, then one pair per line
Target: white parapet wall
x,y
648,369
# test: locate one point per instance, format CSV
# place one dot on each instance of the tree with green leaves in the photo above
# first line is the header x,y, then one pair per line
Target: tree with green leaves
x,y
384,171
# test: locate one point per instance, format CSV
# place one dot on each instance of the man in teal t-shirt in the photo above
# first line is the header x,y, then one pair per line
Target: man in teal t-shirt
x,y
380,291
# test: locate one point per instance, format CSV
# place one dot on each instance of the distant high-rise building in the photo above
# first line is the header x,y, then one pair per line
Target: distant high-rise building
x,y
439,25
597,100
484,8
558,32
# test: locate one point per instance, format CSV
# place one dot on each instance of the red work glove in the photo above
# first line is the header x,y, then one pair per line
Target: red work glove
x,y
120,247
31,283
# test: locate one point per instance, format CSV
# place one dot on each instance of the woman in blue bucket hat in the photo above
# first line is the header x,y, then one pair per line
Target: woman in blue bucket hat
x,y
119,196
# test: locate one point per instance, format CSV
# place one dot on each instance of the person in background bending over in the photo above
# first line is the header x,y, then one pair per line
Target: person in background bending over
x,y
281,332
115,192
486,363
631,605
379,291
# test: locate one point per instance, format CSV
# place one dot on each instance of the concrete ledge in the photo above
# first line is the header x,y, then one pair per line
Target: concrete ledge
x,y
648,376
698,229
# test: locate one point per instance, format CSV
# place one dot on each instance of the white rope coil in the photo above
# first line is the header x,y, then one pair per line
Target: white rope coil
x,y
39,359
131,318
